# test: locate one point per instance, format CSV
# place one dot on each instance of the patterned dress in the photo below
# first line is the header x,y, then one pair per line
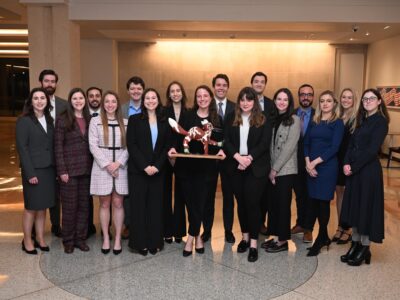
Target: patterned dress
x,y
102,183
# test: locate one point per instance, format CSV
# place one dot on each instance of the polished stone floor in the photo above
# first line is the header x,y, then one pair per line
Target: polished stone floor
x,y
220,273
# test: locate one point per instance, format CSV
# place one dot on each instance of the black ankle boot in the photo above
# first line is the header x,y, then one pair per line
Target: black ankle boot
x,y
362,254
352,251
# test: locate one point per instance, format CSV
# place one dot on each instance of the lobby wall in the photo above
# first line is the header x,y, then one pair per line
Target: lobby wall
x,y
287,64
383,69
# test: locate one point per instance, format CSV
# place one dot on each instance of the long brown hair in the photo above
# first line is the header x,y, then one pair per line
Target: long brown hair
x,y
184,97
69,114
118,117
335,112
256,118
362,113
212,108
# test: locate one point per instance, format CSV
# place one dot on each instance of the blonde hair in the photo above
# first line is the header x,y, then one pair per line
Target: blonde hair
x,y
118,117
335,112
350,116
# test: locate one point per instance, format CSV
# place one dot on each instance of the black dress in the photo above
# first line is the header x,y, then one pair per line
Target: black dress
x,y
363,202
341,179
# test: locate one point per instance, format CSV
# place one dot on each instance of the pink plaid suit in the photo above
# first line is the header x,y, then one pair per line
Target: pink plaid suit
x,y
102,183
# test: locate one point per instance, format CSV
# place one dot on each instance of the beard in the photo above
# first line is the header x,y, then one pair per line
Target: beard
x,y
50,90
305,103
94,104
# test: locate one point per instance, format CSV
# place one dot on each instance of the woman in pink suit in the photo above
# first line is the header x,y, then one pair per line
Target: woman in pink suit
x,y
109,178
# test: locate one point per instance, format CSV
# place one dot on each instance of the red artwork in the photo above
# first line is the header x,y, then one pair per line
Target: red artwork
x,y
195,133
391,96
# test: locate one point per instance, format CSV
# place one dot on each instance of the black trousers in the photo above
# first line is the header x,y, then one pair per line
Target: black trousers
x,y
319,210
196,190
303,201
279,215
265,204
248,190
146,203
174,214
55,211
228,203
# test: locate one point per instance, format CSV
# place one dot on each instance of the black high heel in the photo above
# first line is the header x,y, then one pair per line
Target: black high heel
x,y
315,249
199,250
363,254
337,236
44,249
105,251
351,252
33,252
116,251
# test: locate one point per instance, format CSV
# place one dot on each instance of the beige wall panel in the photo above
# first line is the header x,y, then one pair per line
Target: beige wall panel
x,y
97,64
193,63
383,65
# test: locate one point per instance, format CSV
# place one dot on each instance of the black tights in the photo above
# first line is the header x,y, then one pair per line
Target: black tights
x,y
319,209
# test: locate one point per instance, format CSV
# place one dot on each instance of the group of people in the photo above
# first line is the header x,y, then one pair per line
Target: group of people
x,y
91,145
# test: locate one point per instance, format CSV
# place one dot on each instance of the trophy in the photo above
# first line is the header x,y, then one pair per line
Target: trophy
x,y
196,133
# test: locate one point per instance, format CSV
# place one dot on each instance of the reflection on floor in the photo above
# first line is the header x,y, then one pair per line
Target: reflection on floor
x,y
220,273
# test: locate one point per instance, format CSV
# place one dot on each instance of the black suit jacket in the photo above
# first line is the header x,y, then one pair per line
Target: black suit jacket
x,y
268,107
34,145
139,143
61,105
258,144
230,109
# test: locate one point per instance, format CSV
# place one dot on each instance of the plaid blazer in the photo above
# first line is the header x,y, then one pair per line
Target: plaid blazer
x,y
71,149
102,183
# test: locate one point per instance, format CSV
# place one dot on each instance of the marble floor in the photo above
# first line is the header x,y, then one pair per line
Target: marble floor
x,y
220,273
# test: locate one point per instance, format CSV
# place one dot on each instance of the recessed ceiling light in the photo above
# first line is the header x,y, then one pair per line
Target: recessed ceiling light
x,y
21,32
14,44
351,39
367,33
386,27
14,52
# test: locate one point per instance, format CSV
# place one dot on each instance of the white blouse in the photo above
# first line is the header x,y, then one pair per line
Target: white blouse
x,y
244,134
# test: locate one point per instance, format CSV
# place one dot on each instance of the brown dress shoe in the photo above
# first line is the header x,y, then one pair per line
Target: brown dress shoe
x,y
83,247
296,229
307,237
125,233
68,249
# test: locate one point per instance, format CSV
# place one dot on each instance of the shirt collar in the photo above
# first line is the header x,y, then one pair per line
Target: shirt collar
x,y
223,101
131,105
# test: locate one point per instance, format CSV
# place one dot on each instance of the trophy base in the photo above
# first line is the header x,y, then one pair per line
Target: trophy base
x,y
203,156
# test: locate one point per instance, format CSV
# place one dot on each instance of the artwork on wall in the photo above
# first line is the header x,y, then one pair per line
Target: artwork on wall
x,y
391,96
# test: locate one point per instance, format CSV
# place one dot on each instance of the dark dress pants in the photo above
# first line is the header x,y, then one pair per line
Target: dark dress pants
x,y
248,191
174,214
196,189
303,202
279,215
228,203
55,210
146,203
75,209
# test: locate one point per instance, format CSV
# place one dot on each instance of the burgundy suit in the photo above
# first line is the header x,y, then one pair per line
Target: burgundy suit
x,y
73,158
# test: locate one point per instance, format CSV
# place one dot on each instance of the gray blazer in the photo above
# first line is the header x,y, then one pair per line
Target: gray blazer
x,y
34,145
284,149
125,110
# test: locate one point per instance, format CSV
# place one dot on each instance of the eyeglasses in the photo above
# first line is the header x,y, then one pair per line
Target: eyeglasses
x,y
306,95
370,99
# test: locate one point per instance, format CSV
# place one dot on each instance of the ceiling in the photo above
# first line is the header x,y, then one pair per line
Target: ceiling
x,y
13,15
